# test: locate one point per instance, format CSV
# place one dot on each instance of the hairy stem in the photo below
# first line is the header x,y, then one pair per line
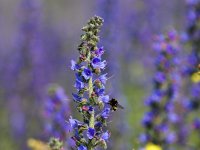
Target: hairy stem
x,y
91,123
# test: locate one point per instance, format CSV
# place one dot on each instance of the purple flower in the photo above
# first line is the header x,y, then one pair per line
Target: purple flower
x,y
143,138
191,2
73,122
97,64
105,135
74,66
195,90
81,147
90,109
105,113
156,97
87,73
99,51
196,123
103,78
148,119
79,85
171,137
105,98
99,91
98,124
172,34
191,15
163,128
90,133
160,77
56,111
173,117
162,116
90,85
76,98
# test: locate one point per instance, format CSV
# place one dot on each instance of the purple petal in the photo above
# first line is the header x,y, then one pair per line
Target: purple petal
x,y
90,133
105,135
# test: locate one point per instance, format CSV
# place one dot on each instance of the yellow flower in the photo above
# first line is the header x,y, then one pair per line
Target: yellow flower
x,y
151,146
196,77
37,145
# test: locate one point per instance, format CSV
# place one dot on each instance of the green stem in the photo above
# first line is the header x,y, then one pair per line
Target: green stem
x,y
90,147
91,122
90,87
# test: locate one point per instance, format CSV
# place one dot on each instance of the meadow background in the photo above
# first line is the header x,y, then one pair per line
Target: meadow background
x,y
38,39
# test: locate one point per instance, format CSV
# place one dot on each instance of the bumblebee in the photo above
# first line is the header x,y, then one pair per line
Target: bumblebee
x,y
114,104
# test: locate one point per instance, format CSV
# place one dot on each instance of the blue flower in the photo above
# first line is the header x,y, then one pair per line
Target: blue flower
x,y
105,98
79,77
90,84
164,128
171,137
173,117
98,124
74,66
90,133
105,135
90,109
99,91
79,85
87,73
192,2
56,111
97,64
105,113
156,97
76,98
196,123
103,78
143,138
148,119
99,51
81,147
73,122
160,77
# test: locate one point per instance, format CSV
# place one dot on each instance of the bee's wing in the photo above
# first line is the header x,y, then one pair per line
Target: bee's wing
x,y
120,106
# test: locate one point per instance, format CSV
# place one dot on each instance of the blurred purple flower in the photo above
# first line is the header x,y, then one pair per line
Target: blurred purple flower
x,y
56,111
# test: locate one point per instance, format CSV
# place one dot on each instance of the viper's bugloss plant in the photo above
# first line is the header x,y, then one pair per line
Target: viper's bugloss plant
x,y
57,110
157,121
191,71
193,38
92,102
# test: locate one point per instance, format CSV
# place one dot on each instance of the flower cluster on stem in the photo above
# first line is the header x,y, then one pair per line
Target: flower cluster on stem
x,y
56,112
92,103
193,38
157,121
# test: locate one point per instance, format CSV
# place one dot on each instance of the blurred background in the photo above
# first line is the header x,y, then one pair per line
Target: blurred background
x,y
38,39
